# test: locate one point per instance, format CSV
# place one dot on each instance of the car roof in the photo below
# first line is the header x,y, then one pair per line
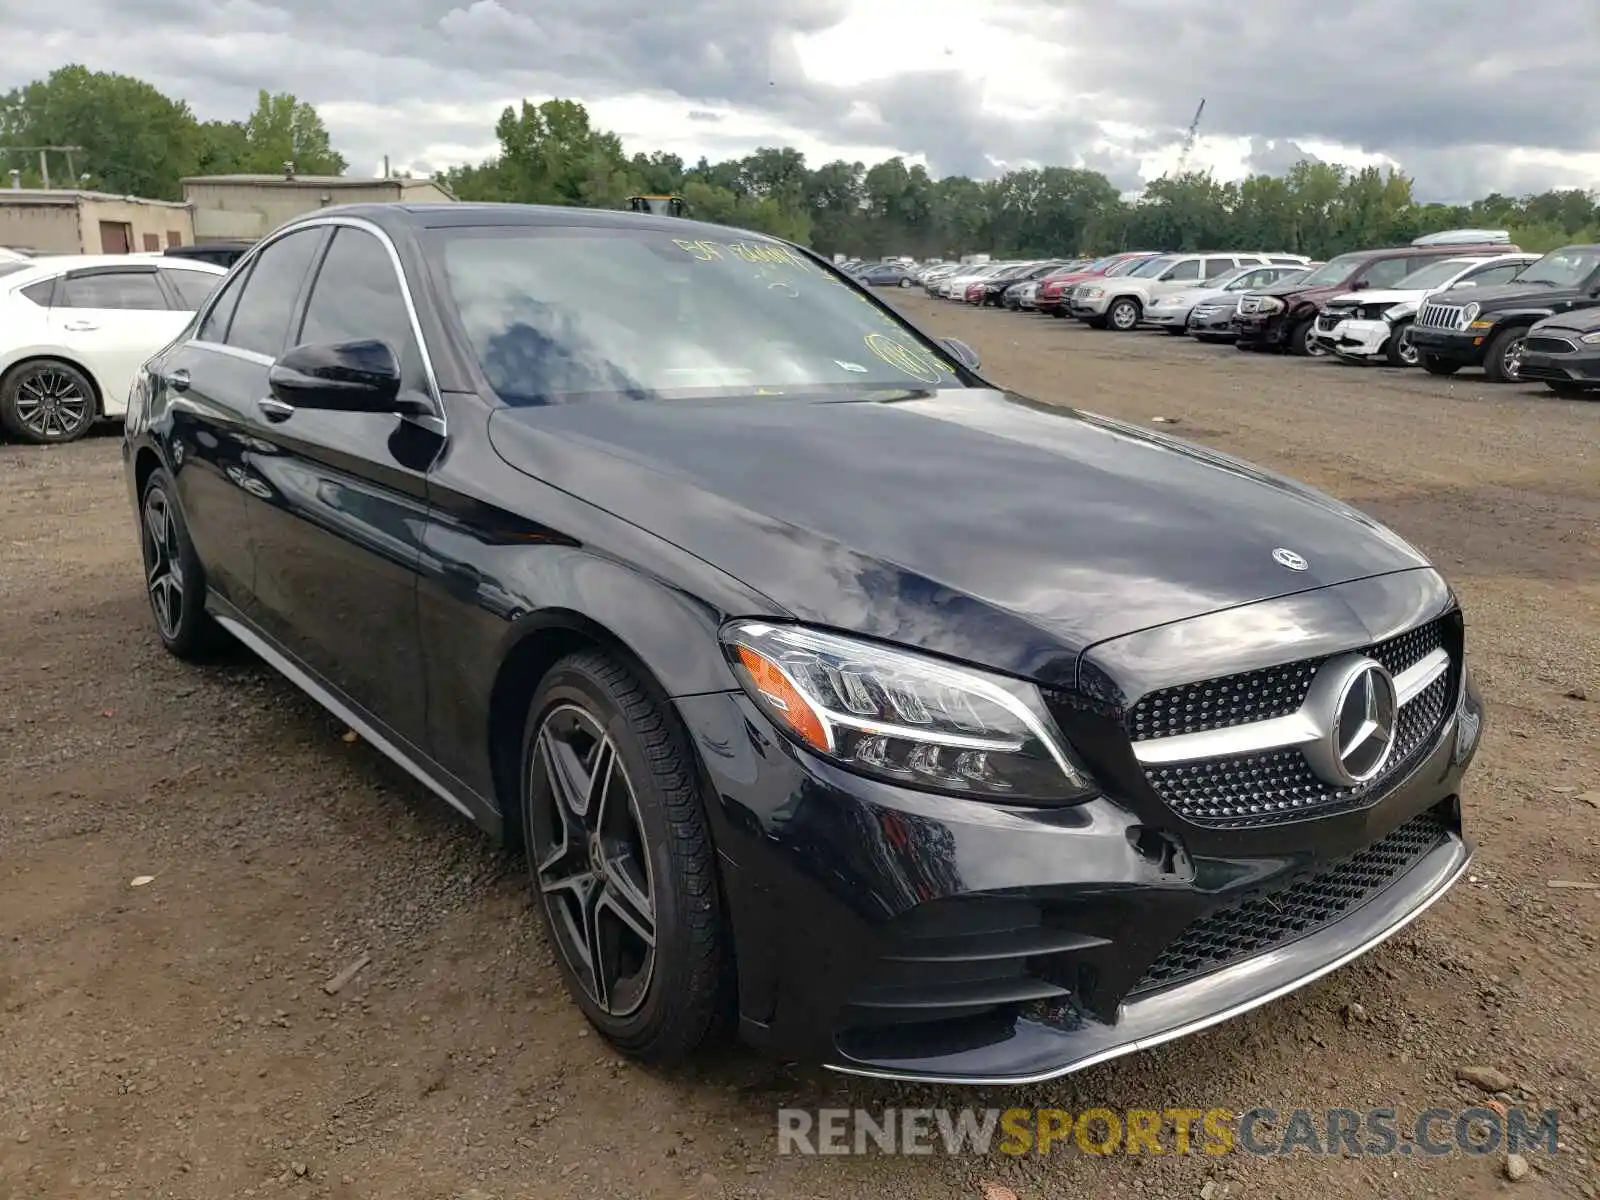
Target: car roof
x,y
54,264
466,214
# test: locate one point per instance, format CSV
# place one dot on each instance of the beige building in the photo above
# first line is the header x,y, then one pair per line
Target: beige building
x,y
247,207
66,221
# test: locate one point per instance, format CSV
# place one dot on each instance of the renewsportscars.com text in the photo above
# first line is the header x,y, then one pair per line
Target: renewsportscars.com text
x,y
1374,1132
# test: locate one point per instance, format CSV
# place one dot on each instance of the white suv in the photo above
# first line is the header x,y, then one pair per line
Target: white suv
x,y
1377,324
1120,303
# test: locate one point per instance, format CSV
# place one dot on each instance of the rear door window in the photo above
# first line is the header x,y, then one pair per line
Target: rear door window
x,y
1184,271
127,290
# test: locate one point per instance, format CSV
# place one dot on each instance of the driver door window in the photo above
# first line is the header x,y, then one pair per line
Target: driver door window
x,y
357,297
1183,272
261,318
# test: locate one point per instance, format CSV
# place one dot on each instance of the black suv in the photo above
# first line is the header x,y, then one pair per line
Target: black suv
x,y
1488,330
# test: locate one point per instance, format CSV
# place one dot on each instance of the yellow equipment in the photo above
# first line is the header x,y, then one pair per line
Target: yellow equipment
x,y
661,206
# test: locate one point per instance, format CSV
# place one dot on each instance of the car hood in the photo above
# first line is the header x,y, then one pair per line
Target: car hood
x,y
1581,320
1506,295
1375,296
969,521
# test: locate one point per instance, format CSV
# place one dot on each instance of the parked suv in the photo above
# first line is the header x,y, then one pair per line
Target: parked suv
x,y
1453,332
1121,302
1055,290
1377,324
1284,316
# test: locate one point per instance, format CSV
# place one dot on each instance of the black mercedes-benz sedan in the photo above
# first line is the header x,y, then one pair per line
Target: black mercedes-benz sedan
x,y
922,729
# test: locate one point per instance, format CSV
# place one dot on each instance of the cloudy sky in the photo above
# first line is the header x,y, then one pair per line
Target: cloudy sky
x,y
1464,97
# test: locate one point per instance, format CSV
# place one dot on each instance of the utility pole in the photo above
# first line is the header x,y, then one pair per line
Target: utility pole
x,y
44,153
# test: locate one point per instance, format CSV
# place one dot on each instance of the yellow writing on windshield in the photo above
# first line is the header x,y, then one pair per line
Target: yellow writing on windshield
x,y
913,360
760,253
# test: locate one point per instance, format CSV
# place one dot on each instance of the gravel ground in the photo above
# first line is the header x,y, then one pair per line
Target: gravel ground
x,y
174,1039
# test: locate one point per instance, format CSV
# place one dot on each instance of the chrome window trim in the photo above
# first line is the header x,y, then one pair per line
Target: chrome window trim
x,y
1279,733
435,395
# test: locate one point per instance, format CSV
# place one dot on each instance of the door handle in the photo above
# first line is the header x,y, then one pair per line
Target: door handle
x,y
79,326
178,380
274,410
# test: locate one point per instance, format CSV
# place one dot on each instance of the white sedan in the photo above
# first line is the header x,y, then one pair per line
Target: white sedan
x,y
75,329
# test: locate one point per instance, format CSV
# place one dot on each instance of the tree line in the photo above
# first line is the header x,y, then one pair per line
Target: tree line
x,y
138,140
132,139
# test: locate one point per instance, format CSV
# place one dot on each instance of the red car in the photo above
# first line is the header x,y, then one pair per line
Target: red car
x,y
1053,288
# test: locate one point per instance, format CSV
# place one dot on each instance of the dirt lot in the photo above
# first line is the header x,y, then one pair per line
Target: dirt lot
x,y
174,1039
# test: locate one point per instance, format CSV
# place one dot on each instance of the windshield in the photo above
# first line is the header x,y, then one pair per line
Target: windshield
x,y
8,268
1435,274
1334,271
1126,267
1151,266
556,314
1567,267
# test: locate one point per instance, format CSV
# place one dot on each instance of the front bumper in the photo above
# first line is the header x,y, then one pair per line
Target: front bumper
x,y
894,933
1212,320
1451,345
1167,318
1353,338
1260,329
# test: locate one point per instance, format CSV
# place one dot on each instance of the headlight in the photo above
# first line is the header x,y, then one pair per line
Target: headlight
x,y
1397,311
1269,304
904,717
1469,314
1591,339
1093,293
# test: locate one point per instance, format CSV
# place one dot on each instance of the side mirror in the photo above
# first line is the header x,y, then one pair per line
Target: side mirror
x,y
965,354
1359,285
344,377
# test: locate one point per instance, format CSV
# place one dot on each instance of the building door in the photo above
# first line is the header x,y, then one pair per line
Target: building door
x,y
152,241
116,237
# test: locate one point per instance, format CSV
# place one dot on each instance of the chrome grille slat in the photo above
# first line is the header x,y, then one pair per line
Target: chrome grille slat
x,y
1211,777
1438,315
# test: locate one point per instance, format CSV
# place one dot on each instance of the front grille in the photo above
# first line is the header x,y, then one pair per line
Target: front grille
x,y
1328,320
1277,785
1260,695
1435,315
1548,345
1255,924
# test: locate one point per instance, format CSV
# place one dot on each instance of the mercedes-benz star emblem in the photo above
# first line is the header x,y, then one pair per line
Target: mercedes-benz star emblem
x,y
1359,708
1288,558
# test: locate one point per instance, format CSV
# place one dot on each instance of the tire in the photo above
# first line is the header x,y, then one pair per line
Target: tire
x,y
1434,365
47,401
1123,315
905,283
175,582
1502,357
1300,340
1057,313
1399,351
655,853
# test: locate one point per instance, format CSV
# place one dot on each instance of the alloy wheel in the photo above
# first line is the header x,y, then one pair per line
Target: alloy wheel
x,y
51,405
1124,315
163,564
591,862
1512,360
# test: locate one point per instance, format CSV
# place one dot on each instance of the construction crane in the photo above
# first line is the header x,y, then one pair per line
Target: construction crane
x,y
1188,140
